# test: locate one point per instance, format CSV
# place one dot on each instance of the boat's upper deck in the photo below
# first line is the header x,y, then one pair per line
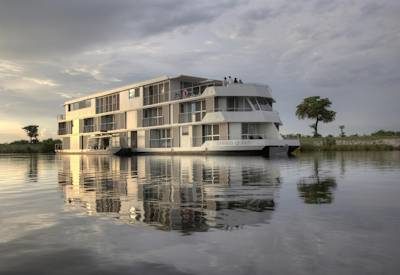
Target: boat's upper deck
x,y
162,91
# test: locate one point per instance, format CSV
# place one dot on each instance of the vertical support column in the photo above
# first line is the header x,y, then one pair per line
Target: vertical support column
x,y
224,131
210,104
175,113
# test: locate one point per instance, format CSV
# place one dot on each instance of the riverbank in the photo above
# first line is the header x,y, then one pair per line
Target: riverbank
x,y
354,143
45,146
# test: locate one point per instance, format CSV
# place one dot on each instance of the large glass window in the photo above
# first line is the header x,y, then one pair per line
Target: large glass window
x,y
261,103
252,131
108,103
156,93
134,92
192,111
88,125
65,128
237,104
210,132
107,123
153,117
160,138
79,105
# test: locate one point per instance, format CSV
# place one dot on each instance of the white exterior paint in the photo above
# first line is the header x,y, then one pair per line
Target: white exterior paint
x,y
241,107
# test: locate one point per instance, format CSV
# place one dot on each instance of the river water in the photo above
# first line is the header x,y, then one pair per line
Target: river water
x,y
335,213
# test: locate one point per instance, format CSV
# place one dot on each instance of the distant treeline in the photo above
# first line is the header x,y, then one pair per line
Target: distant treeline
x,y
24,146
380,133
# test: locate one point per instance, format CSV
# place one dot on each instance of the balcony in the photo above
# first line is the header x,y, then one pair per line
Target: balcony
x,y
161,143
193,91
63,131
89,128
153,121
154,99
190,117
107,126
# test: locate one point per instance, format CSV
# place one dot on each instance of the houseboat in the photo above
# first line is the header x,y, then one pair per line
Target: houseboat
x,y
179,114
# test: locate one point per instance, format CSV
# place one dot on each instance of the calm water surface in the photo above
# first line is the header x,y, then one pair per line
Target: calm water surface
x,y
323,214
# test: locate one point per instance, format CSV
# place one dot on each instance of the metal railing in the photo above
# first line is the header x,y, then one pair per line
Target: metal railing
x,y
197,141
154,99
179,94
153,121
89,128
192,116
161,143
63,132
243,109
254,136
192,91
185,117
107,126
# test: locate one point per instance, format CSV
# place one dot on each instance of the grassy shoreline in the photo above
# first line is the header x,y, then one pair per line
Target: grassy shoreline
x,y
19,147
361,143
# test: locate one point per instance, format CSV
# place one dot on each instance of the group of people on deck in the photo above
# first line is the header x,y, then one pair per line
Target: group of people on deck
x,y
229,81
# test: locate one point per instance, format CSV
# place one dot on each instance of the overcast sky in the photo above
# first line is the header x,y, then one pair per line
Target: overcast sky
x,y
349,51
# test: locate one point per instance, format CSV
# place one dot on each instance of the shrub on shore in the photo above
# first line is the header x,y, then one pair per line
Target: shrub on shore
x,y
329,144
23,146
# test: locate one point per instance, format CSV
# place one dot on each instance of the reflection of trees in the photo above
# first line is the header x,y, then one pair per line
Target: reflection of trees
x,y
317,189
32,171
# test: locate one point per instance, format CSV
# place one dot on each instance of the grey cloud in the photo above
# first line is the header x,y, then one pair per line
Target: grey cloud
x,y
45,27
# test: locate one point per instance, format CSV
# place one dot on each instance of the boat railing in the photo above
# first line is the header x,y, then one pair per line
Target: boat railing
x,y
161,143
254,136
191,116
60,117
182,93
153,121
233,109
107,126
193,91
89,128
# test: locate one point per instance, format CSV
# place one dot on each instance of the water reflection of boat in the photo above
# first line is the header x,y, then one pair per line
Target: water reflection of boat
x,y
183,193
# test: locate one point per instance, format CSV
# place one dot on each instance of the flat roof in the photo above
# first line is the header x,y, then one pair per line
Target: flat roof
x,y
133,85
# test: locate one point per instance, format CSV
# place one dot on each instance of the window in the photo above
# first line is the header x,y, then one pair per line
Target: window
x,y
251,131
107,123
155,93
253,101
237,104
134,92
108,103
153,117
210,132
188,109
65,128
79,105
88,125
264,104
261,103
160,138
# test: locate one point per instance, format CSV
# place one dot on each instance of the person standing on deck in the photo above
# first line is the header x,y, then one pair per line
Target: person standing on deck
x,y
230,80
235,81
225,81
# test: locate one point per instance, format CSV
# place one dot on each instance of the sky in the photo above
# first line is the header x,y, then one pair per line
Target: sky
x,y
349,51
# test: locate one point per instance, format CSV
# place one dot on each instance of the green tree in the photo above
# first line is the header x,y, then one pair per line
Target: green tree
x,y
33,132
342,133
314,107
